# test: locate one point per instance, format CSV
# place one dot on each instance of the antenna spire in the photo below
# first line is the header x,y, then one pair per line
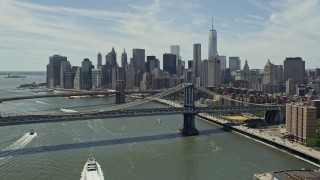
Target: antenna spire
x,y
212,22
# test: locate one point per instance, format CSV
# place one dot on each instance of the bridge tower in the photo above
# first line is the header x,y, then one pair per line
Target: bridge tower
x,y
120,88
189,128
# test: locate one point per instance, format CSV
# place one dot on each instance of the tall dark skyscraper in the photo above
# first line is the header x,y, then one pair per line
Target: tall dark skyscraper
x,y
190,62
294,68
53,70
152,63
138,59
196,65
99,61
86,73
124,58
170,63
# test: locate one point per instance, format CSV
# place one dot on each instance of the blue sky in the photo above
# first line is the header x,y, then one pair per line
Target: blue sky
x,y
256,30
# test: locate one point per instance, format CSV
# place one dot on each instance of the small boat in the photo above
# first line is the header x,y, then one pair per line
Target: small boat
x,y
31,132
158,121
91,164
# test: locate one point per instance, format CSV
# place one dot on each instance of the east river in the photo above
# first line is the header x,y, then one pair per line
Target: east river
x,y
126,148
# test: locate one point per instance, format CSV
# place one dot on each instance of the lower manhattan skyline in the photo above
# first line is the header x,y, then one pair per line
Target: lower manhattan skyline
x,y
32,31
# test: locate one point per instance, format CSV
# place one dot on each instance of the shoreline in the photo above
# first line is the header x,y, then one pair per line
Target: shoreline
x,y
294,149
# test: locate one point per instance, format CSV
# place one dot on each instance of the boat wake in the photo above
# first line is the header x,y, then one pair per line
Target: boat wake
x,y
22,142
68,110
40,102
19,144
92,175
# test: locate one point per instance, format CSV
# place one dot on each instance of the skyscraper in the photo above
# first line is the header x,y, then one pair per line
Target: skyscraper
x,y
124,58
111,58
86,73
99,61
77,78
96,78
223,61
169,63
211,72
138,59
118,73
273,74
175,49
53,70
294,68
129,76
152,63
196,65
65,67
234,63
212,47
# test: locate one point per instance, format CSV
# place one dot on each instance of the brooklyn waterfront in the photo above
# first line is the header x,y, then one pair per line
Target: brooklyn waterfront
x,y
125,148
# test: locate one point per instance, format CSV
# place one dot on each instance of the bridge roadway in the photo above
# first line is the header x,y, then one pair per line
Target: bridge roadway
x,y
29,119
75,94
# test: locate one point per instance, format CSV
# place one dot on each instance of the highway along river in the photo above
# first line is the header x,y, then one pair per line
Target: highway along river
x,y
126,148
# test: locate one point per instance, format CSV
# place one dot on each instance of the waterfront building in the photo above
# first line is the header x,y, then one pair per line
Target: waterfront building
x,y
124,58
301,122
294,68
175,49
96,78
86,73
212,45
65,67
77,78
69,77
99,61
196,65
53,70
234,64
138,59
169,63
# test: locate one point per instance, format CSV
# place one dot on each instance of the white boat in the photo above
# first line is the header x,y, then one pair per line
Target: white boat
x,y
91,164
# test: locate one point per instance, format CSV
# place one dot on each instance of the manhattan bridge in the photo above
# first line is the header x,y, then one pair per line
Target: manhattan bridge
x,y
122,109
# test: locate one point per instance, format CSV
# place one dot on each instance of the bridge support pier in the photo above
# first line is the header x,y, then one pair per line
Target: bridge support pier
x,y
120,96
189,128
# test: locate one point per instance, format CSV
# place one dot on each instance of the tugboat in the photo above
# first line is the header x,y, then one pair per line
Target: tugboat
x,y
31,132
91,164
